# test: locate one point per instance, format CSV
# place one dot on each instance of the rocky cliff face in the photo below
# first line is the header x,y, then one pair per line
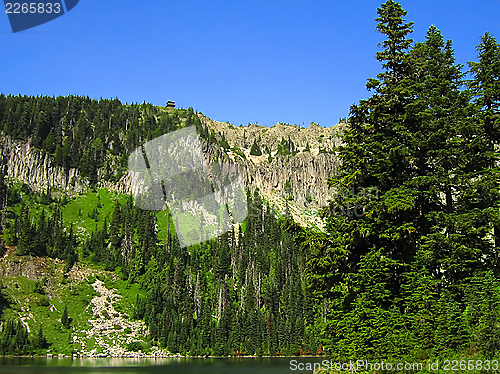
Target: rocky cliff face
x,y
298,179
301,177
36,168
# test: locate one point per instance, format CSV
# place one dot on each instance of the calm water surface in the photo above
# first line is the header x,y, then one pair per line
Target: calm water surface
x,y
9,365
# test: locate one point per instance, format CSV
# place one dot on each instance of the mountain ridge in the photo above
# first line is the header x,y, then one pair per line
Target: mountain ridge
x,y
297,176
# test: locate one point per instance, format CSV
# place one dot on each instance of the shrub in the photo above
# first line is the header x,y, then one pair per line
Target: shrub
x,y
238,151
287,147
255,150
42,300
38,287
135,346
65,319
308,197
224,144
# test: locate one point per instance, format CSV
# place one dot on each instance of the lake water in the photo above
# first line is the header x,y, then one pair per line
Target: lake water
x,y
10,365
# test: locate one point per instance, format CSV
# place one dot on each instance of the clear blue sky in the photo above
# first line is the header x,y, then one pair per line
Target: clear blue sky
x,y
242,61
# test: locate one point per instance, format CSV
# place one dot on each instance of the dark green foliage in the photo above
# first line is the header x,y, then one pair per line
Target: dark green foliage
x,y
255,150
65,319
14,338
40,341
70,255
401,279
286,148
135,346
238,151
223,143
485,86
3,200
415,276
220,297
45,237
84,133
39,288
4,303
482,314
486,75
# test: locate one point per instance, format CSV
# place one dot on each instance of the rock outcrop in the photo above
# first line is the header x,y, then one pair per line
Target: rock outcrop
x,y
111,330
36,168
300,177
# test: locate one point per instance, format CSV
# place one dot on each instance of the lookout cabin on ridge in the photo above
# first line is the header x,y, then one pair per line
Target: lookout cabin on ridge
x,y
170,104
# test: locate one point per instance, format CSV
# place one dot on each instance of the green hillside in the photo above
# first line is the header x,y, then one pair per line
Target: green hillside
x,y
203,285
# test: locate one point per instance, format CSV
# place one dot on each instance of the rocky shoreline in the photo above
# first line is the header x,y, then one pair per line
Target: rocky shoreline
x,y
60,355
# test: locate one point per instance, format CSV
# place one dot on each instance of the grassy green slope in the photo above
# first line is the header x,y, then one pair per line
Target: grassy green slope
x,y
73,290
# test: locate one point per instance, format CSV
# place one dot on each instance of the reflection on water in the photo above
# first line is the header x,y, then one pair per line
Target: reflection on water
x,y
41,365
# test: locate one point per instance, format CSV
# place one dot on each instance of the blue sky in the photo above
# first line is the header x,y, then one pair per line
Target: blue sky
x,y
241,61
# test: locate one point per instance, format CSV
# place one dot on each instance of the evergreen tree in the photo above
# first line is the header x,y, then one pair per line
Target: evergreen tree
x,y
42,236
3,197
427,232
27,232
403,141
482,314
443,164
374,156
69,252
114,232
223,142
485,86
40,342
14,339
65,319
